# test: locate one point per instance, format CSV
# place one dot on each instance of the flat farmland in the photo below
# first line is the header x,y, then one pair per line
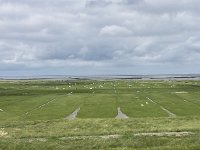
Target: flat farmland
x,y
100,114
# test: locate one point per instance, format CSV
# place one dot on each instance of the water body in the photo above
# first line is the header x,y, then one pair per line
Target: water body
x,y
120,114
73,115
107,77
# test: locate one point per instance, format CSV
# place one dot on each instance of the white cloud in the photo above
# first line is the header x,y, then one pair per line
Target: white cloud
x,y
114,30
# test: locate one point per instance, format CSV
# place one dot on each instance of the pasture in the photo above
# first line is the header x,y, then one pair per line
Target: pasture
x,y
99,114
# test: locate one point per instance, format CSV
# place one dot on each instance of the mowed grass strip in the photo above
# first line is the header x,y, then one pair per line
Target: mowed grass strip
x,y
191,97
15,107
61,107
175,104
137,105
98,106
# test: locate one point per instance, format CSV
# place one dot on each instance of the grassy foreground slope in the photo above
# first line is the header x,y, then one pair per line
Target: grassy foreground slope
x,y
162,114
180,133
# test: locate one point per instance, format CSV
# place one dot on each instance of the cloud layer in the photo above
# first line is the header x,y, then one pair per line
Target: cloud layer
x,y
99,36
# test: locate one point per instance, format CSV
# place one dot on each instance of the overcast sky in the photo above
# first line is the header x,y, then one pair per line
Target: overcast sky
x,y
98,37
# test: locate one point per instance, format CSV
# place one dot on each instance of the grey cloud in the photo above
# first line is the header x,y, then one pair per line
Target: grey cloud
x,y
103,3
169,6
104,34
97,3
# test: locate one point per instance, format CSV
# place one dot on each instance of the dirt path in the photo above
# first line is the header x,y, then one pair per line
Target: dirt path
x,y
120,114
170,114
73,115
91,137
39,107
165,134
151,100
181,92
111,136
159,134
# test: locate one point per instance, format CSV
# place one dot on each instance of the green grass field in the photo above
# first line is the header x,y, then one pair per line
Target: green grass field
x,y
161,114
